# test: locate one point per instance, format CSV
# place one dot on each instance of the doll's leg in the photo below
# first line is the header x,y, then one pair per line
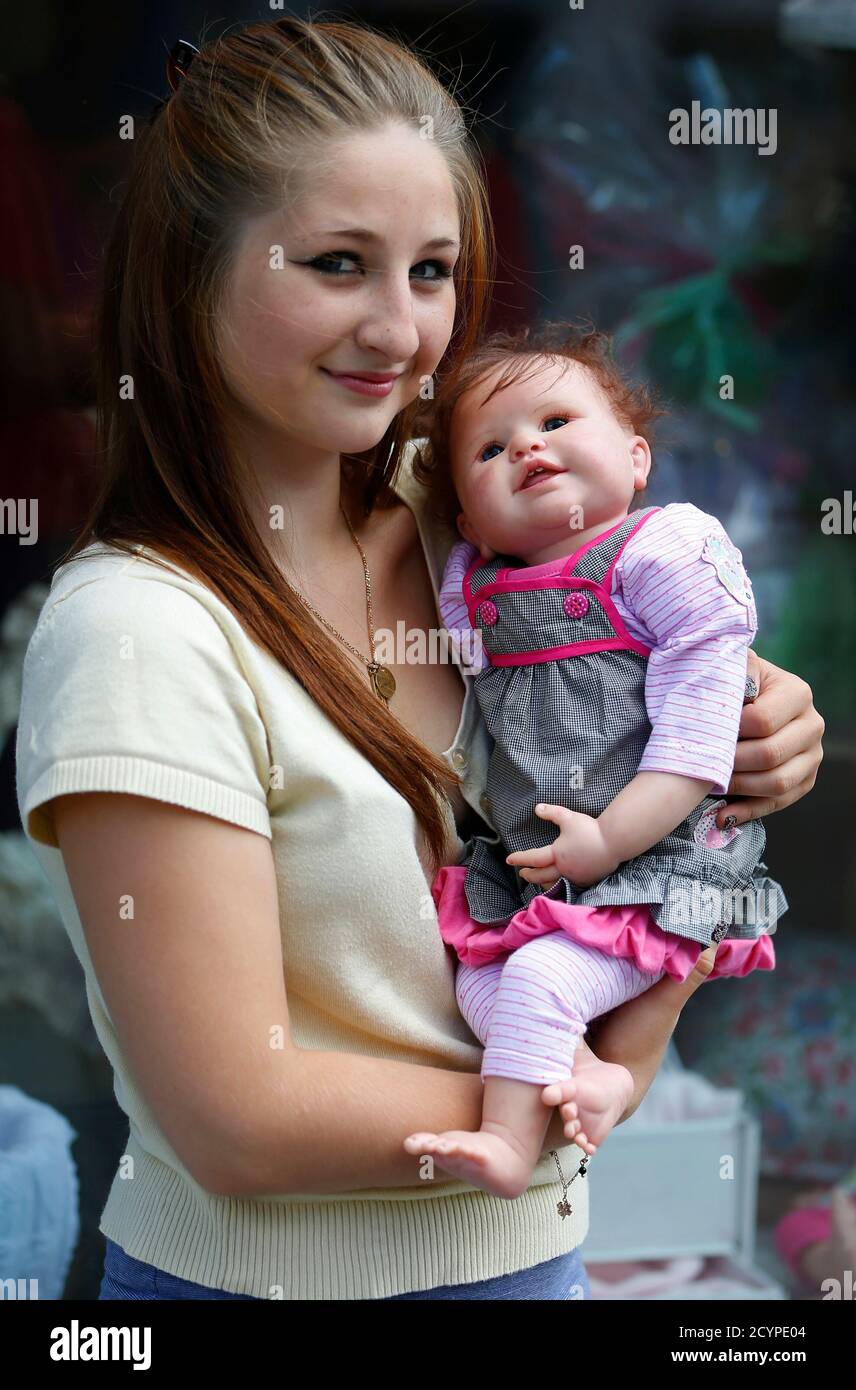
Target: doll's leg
x,y
476,988
550,989
531,1011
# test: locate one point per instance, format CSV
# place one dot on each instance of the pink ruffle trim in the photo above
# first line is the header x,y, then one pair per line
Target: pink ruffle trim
x,y
627,931
798,1229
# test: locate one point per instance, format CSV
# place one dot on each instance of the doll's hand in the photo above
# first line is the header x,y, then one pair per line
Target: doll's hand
x,y
579,851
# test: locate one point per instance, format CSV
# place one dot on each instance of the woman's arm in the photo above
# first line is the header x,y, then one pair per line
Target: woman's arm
x,y
181,920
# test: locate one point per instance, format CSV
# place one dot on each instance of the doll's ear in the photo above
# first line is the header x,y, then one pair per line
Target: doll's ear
x,y
640,453
470,534
465,529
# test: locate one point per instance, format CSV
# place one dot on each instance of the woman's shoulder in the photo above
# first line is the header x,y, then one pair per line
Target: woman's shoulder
x,y
134,680
112,618
406,483
101,562
104,581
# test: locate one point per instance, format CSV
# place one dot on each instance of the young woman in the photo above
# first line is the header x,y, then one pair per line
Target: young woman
x,y
239,815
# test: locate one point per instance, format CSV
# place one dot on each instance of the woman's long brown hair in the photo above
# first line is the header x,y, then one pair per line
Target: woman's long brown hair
x,y
256,108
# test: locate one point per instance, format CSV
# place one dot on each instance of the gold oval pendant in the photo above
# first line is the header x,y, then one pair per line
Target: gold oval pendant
x,y
384,682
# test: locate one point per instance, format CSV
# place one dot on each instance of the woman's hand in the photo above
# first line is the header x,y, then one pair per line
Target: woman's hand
x,y
779,749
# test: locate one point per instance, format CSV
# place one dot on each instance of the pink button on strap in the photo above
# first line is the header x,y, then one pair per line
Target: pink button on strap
x,y
576,605
488,613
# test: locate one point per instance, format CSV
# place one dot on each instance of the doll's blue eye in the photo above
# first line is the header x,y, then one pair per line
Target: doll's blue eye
x,y
563,420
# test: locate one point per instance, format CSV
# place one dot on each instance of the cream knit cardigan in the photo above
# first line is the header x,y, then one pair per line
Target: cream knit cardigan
x,y
141,681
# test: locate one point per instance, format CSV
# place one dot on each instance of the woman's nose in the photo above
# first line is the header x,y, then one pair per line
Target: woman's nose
x,y
388,322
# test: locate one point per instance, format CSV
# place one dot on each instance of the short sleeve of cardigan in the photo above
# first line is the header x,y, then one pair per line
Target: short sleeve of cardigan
x,y
134,685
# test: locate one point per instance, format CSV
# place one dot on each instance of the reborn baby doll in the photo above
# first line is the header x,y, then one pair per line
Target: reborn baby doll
x,y
609,648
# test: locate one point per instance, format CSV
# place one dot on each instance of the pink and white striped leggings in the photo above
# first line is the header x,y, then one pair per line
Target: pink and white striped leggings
x,y
531,1009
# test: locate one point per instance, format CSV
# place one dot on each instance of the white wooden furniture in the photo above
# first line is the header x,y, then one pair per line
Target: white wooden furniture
x,y
661,1189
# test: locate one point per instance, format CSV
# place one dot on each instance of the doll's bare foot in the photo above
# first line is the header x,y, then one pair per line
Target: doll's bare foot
x,y
492,1161
597,1096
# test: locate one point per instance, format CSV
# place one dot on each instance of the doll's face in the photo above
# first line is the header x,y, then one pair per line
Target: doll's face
x,y
557,419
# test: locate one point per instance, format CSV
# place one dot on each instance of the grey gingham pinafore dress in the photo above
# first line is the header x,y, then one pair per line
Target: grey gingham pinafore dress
x,y
564,702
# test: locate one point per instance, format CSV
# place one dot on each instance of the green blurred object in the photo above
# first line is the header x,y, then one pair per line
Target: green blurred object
x,y
816,632
697,330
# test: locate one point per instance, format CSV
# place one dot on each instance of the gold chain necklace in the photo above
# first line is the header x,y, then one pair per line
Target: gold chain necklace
x,y
381,677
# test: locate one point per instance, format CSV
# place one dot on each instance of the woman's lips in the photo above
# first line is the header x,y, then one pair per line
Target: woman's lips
x,y
362,387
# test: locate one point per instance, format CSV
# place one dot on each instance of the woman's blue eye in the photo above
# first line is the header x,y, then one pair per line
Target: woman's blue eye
x,y
493,445
322,263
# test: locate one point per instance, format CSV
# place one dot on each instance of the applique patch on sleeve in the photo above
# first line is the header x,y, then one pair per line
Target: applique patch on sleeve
x,y
727,560
708,834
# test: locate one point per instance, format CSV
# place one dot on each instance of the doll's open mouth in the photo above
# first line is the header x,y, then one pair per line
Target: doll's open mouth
x,y
538,475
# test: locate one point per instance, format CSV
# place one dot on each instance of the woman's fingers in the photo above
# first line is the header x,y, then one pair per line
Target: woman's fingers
x,y
782,697
800,738
700,970
779,750
753,667
704,965
678,992
770,791
776,781
780,725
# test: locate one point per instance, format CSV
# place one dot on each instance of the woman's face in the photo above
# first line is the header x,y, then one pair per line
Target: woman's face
x,y
337,301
